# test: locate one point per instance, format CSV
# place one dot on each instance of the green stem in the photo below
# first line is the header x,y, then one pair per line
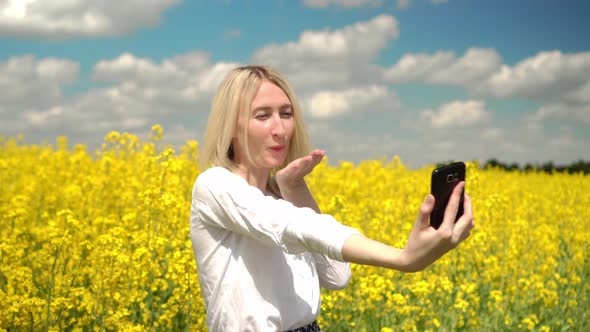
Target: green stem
x,y
50,290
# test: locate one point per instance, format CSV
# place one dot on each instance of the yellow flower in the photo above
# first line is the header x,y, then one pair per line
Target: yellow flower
x,y
157,132
101,239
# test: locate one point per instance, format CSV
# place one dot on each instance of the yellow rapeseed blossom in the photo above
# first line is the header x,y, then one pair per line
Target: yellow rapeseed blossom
x,y
100,241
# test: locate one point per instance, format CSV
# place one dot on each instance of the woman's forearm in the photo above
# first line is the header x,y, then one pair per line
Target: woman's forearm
x,y
300,196
357,248
362,250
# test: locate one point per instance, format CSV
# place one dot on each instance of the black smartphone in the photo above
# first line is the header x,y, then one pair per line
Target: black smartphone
x,y
443,181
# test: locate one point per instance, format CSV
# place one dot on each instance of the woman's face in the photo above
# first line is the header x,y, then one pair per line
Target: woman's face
x,y
270,128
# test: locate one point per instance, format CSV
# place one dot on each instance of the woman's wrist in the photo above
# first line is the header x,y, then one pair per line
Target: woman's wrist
x,y
299,195
408,262
291,185
362,250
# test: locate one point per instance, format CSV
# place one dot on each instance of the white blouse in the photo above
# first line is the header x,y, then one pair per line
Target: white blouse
x,y
261,260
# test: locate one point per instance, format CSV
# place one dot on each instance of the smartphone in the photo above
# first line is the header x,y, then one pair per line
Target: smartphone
x,y
443,181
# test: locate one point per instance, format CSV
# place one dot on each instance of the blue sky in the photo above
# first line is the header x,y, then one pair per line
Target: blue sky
x,y
426,80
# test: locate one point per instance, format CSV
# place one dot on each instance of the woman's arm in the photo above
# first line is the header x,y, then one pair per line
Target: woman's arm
x,y
291,183
225,200
357,248
333,274
425,244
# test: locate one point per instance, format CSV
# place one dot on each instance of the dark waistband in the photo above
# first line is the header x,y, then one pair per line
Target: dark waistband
x,y
313,327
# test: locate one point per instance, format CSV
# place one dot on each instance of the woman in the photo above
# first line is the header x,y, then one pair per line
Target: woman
x,y
262,246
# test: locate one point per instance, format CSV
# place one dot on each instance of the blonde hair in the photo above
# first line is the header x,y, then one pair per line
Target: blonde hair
x,y
235,93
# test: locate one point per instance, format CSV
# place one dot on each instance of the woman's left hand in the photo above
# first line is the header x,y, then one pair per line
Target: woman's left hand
x,y
292,175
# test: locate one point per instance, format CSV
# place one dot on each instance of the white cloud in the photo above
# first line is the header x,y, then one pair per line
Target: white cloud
x,y
361,40
552,111
338,82
545,76
327,104
560,82
40,118
403,4
505,138
457,114
31,92
145,92
544,112
338,58
176,91
581,94
127,67
355,145
563,140
444,67
185,78
492,133
23,77
59,19
582,113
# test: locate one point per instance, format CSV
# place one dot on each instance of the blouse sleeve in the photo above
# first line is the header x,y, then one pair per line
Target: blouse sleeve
x,y
225,200
333,274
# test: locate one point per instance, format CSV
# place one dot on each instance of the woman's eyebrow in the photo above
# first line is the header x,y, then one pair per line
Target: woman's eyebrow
x,y
261,108
269,108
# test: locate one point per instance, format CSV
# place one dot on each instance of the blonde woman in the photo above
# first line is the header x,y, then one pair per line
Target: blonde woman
x,y
262,246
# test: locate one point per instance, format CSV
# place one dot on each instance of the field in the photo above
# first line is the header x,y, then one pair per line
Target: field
x,y
99,241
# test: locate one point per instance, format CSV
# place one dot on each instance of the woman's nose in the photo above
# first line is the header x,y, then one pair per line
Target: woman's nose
x,y
278,129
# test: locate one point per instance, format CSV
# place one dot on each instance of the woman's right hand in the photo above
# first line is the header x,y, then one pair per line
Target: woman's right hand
x,y
292,175
425,244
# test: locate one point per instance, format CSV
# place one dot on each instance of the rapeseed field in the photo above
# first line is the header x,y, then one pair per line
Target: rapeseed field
x,y
98,241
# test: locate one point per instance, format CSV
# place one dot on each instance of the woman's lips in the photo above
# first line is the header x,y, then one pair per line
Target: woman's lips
x,y
277,148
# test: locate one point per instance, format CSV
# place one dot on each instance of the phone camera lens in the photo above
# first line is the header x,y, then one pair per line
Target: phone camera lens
x,y
450,178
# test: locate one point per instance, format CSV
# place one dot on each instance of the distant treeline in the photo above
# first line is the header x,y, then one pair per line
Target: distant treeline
x,y
547,167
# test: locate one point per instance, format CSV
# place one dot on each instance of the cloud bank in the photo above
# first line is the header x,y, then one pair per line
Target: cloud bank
x,y
351,102
59,19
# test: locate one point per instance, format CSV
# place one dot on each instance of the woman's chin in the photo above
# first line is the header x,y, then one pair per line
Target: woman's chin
x,y
275,162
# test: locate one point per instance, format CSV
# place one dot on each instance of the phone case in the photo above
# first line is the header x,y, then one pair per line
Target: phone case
x,y
443,181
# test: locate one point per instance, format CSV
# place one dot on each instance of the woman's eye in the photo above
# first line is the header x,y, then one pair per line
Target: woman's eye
x,y
287,115
261,116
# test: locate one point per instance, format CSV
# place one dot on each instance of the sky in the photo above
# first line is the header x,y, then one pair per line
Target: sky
x,y
426,80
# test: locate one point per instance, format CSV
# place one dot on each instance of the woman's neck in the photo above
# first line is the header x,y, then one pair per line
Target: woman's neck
x,y
257,177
